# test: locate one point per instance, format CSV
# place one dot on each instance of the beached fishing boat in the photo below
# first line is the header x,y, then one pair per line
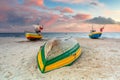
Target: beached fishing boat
x,y
33,36
95,35
57,53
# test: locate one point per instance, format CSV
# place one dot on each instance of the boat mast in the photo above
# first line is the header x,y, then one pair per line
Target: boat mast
x,y
92,27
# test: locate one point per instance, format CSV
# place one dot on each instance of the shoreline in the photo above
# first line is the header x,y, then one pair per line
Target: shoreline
x,y
99,60
62,35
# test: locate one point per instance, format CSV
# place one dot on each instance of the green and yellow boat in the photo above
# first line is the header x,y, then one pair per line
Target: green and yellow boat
x,y
57,53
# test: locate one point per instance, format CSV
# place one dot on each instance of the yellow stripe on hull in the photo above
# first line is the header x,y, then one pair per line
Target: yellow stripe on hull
x,y
94,33
33,35
40,61
63,62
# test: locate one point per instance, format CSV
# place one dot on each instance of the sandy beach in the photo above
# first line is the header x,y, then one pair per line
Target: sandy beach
x,y
100,60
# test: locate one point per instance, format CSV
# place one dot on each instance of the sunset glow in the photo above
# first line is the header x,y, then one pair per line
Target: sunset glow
x,y
59,15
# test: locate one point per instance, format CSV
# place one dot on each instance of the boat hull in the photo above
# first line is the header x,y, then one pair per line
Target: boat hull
x,y
95,35
33,36
67,58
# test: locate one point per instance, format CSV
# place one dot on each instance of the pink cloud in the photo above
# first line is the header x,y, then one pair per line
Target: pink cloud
x,y
67,10
68,27
112,28
82,16
25,14
35,2
40,2
81,27
64,10
49,20
64,18
16,13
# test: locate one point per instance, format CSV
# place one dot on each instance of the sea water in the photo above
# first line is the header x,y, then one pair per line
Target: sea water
x,y
114,35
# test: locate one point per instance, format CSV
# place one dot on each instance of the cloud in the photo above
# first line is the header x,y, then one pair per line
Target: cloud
x,y
96,3
15,19
2,17
15,15
20,15
69,27
64,18
115,14
92,2
49,19
64,9
8,14
101,20
4,9
82,16
67,10
34,2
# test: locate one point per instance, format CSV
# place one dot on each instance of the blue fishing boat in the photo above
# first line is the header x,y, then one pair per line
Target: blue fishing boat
x,y
95,35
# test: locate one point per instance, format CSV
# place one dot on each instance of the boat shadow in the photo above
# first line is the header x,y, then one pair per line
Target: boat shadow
x,y
24,41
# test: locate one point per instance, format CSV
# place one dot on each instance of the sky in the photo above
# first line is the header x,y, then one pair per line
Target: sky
x,y
59,15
